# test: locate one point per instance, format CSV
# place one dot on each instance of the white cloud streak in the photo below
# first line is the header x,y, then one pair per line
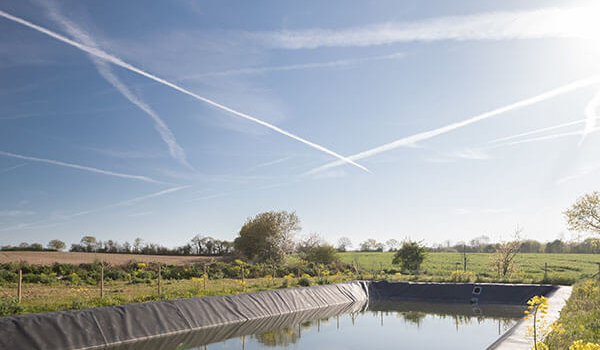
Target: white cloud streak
x,y
410,140
538,131
591,116
549,137
12,168
41,224
117,61
79,167
104,69
292,67
577,22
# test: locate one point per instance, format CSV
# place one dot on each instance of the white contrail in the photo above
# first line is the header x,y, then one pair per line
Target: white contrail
x,y
445,129
291,67
80,167
70,216
12,168
104,69
575,22
550,137
127,202
117,61
591,116
538,131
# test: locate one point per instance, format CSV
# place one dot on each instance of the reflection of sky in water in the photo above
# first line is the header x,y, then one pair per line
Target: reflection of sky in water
x,y
378,330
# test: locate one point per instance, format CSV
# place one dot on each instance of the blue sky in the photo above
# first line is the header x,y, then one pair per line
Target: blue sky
x,y
379,119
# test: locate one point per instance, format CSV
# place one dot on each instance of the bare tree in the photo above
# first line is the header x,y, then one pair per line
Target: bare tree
x,y
503,260
343,244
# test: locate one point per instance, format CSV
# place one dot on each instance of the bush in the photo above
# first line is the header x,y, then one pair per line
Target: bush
x,y
10,307
8,276
304,282
410,256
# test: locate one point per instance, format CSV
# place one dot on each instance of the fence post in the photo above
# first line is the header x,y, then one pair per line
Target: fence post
x,y
102,280
20,287
205,276
465,257
159,272
242,268
545,271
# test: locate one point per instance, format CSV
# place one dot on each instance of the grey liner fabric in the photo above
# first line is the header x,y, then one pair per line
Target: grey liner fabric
x,y
100,327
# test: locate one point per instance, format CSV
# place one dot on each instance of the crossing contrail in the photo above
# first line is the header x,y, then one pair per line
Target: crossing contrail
x,y
537,131
591,116
79,167
411,140
104,69
117,61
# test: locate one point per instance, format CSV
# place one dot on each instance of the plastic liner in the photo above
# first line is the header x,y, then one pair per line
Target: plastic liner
x,y
99,327
118,325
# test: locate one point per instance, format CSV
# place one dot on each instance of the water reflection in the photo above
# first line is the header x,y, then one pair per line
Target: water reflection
x,y
357,326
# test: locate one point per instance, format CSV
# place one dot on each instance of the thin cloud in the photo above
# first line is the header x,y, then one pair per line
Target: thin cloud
x,y
79,167
104,69
15,213
410,140
549,137
292,67
538,131
117,61
579,22
12,168
578,174
273,162
41,224
591,116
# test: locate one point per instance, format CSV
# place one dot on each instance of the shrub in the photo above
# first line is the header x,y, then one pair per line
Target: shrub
x,y
304,282
8,276
10,307
410,256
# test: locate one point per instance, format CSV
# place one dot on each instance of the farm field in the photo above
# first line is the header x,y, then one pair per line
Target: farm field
x,y
49,258
562,268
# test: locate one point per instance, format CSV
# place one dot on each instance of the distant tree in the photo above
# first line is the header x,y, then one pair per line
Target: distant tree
x,y
371,245
314,249
392,245
36,246
89,243
23,245
556,246
410,256
584,215
343,244
56,244
137,245
530,246
268,237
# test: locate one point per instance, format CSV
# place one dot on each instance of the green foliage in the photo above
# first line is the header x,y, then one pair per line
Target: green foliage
x,y
410,256
580,317
313,249
304,282
584,215
9,306
268,237
56,244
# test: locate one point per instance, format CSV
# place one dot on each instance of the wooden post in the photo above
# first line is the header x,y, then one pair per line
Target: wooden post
x,y
545,271
465,257
102,280
20,287
205,276
159,271
242,268
457,264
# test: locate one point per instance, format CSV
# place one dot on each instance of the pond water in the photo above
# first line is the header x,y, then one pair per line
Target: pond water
x,y
397,325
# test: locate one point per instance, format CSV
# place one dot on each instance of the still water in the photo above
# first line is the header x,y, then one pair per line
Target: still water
x,y
379,326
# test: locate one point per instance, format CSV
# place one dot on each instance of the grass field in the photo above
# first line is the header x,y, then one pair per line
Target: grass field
x,y
49,258
562,268
64,295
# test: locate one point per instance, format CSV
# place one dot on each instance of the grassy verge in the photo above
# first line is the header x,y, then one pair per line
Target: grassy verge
x,y
580,318
63,296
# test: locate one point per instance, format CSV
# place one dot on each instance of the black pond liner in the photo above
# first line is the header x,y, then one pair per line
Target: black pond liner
x,y
170,320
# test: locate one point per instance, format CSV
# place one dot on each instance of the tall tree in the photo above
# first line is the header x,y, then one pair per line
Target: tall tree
x,y
268,237
343,244
584,215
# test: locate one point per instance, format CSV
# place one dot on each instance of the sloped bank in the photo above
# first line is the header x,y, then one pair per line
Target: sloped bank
x,y
100,327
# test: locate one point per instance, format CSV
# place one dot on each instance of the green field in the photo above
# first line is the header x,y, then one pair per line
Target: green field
x,y
562,268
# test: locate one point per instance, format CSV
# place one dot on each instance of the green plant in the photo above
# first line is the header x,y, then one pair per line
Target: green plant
x,y
410,256
304,282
